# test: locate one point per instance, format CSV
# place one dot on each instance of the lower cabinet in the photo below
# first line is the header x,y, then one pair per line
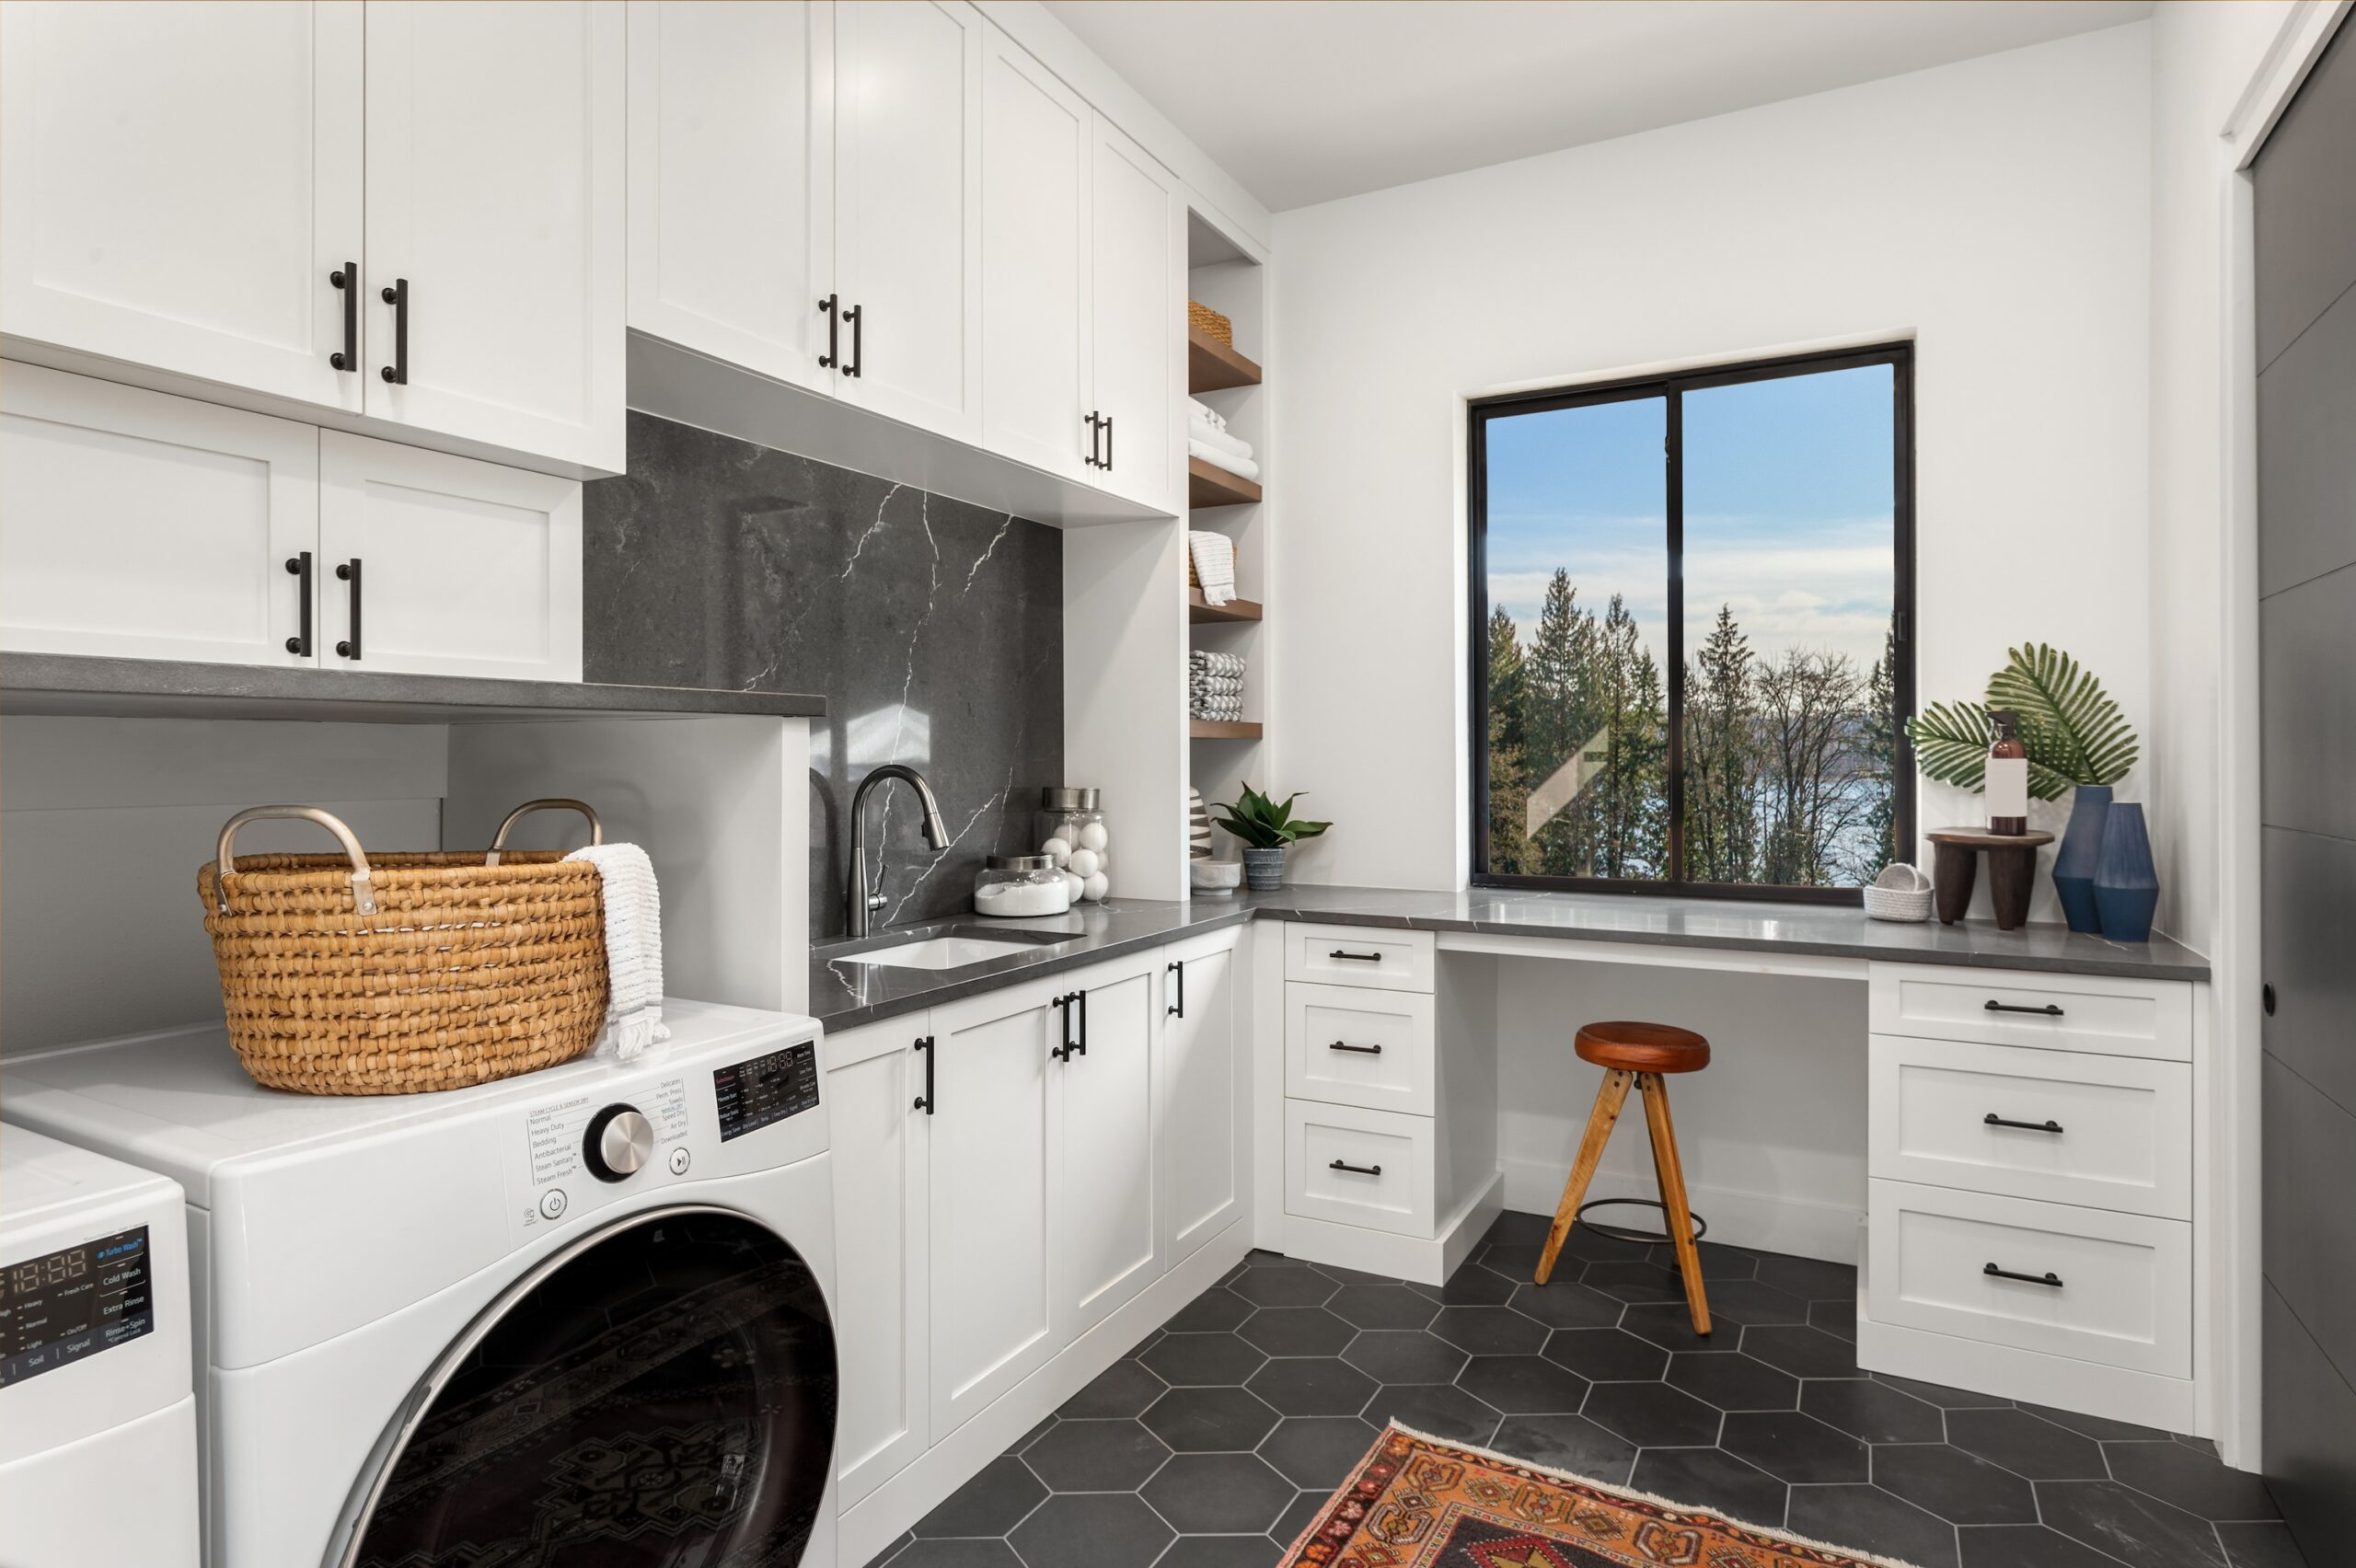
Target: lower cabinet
x,y
1105,1242
1202,1104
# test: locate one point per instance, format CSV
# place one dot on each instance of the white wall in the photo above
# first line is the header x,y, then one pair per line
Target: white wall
x,y
1995,211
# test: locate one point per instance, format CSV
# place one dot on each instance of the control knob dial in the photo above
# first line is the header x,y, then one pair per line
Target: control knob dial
x,y
620,1142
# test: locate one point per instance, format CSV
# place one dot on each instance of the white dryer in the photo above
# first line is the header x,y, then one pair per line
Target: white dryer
x,y
98,1424
576,1317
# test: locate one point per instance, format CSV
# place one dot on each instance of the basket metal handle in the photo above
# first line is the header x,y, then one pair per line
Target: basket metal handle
x,y
364,895
596,829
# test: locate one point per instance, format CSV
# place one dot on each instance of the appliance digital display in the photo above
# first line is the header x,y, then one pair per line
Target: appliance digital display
x,y
767,1089
73,1304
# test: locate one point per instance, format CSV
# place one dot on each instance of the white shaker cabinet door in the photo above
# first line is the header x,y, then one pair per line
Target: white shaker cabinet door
x,y
1103,1235
993,1291
439,565
907,200
147,526
1138,223
1202,1107
495,219
874,1079
1036,135
732,181
180,182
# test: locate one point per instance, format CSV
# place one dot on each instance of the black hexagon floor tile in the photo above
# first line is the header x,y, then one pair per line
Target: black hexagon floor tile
x,y
1671,1326
1712,1478
1870,1519
1654,1415
1607,1354
1718,1262
1320,1385
1523,1384
1747,1301
1468,1286
992,1553
1315,1451
1087,1529
1297,1330
1215,1311
1515,1224
1209,1420
1566,1305
2026,1546
1264,1286
1123,1389
1734,1383
1802,1351
991,1503
1194,1360
1391,1357
2197,1483
2129,1525
1570,1443
1794,1448
1444,1412
1219,1551
1807,1278
1634,1281
1872,1411
1489,1331
2260,1546
2027,1445
1382,1307
1096,1456
1219,1495
1960,1488
1939,1394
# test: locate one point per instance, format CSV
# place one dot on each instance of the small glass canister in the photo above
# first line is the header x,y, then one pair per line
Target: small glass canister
x,y
1011,886
1069,827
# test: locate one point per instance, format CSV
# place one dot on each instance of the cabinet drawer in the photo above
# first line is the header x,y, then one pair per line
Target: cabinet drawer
x,y
1353,1045
1359,1167
2124,1296
2110,1132
1378,958
2062,1012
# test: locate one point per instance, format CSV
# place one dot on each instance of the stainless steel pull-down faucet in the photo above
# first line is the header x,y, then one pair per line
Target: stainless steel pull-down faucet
x,y
862,903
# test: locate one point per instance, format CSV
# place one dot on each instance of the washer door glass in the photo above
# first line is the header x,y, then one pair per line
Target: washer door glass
x,y
666,1396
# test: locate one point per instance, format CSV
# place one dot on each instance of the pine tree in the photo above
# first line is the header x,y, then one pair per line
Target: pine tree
x,y
1879,725
1510,850
1722,759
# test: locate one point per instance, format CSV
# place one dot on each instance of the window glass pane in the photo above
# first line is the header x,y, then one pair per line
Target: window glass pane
x,y
1789,572
1577,561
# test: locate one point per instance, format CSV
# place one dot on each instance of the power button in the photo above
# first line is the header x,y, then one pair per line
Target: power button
x,y
553,1203
680,1160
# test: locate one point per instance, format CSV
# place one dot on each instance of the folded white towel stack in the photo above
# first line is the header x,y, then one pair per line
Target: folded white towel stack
x,y
1214,685
1214,555
1203,413
1208,438
634,948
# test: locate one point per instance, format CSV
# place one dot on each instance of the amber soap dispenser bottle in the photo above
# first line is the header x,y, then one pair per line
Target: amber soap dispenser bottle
x,y
2006,784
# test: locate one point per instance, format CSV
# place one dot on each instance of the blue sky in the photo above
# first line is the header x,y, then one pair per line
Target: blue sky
x,y
1787,511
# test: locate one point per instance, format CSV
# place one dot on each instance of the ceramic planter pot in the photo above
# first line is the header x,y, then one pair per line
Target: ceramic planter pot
x,y
2073,863
1264,869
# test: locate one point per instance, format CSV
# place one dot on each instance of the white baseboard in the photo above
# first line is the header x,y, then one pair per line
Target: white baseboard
x,y
1802,1227
1427,1261
876,1520
2087,1387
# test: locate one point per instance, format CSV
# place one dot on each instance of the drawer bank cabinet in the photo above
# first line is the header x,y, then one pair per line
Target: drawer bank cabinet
x,y
2029,1224
1011,1169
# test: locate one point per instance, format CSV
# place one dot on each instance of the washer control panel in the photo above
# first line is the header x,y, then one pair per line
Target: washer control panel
x,y
753,1094
66,1305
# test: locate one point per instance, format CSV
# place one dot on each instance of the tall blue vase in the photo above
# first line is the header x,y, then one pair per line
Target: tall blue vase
x,y
2073,863
2127,887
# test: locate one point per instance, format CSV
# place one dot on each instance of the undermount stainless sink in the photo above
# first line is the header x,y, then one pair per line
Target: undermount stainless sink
x,y
954,949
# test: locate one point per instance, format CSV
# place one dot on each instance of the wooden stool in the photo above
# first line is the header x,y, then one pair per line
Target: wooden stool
x,y
1637,1053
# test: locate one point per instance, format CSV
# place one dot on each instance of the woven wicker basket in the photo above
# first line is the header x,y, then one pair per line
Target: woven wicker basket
x,y
1210,323
345,975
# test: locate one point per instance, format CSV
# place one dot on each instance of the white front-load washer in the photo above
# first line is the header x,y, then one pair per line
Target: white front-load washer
x,y
574,1318
97,1420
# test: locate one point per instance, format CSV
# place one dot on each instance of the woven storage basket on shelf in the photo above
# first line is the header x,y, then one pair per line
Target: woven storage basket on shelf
x,y
400,974
1210,323
1900,893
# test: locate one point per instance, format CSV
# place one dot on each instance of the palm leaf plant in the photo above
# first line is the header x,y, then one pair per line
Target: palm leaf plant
x,y
1264,823
2072,727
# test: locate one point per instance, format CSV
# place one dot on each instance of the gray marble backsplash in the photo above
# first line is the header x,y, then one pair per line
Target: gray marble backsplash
x,y
933,628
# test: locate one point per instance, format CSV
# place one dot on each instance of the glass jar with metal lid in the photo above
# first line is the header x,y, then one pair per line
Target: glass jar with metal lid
x,y
1011,886
1069,826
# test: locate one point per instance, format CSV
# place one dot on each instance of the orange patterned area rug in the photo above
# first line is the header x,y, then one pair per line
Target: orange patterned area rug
x,y
1415,1501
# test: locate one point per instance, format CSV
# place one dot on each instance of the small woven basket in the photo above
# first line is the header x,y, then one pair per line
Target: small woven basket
x,y
1900,893
1210,323
404,974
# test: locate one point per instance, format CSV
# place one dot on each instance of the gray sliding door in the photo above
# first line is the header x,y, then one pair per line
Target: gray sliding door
x,y
2306,437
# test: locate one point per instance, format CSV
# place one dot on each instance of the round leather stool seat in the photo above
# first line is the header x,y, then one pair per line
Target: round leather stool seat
x,y
1642,1048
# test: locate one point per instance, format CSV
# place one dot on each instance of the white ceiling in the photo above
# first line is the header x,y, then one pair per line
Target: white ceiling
x,y
1306,100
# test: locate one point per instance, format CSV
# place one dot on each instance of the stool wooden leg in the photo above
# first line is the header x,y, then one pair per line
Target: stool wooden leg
x,y
1608,1100
1672,1197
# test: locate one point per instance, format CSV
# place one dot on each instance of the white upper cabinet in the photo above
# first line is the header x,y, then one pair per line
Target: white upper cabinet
x,y
494,192
907,198
731,126
180,182
1139,249
1036,141
147,526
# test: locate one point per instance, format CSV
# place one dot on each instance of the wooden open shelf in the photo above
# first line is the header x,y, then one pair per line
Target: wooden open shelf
x,y
1207,484
1212,366
1223,729
1202,612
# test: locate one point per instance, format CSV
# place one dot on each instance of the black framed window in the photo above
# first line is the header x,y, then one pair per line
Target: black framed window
x,y
1692,607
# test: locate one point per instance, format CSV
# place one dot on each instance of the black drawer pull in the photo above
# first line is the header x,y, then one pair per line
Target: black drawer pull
x,y
2047,1125
300,565
398,297
348,281
1361,1050
2047,1011
1371,1170
2049,1277
924,1100
1358,957
350,572
1178,1008
1095,441
857,315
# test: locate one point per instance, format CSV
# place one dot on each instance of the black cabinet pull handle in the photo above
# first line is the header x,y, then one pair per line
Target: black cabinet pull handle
x,y
1108,443
398,297
349,282
826,360
2047,1125
300,565
1363,1170
1074,1033
1360,1050
924,1102
1083,1021
2047,1011
1178,1008
1095,439
2049,1277
349,571
1358,957
856,315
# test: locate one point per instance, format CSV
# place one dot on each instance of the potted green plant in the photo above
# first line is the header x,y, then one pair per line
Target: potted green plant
x,y
1267,829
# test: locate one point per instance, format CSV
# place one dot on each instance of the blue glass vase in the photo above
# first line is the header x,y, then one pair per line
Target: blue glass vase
x,y
2127,887
2073,863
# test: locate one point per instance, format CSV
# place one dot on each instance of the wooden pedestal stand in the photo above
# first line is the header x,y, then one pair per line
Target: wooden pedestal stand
x,y
2011,871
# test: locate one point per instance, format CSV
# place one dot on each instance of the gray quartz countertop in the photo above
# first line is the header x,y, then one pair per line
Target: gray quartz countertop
x,y
843,995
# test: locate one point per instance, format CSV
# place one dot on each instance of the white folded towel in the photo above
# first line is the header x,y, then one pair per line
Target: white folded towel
x,y
1214,555
1203,413
1232,444
1243,468
634,948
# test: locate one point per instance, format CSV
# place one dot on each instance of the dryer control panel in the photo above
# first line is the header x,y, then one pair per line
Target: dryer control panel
x,y
70,1303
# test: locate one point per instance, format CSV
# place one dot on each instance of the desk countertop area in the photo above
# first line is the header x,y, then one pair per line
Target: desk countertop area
x,y
844,995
